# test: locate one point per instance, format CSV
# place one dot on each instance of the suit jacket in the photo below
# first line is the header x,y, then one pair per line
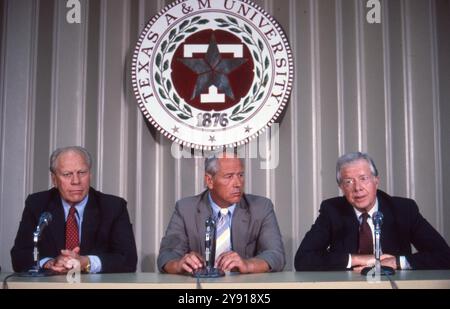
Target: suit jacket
x,y
106,231
335,234
254,230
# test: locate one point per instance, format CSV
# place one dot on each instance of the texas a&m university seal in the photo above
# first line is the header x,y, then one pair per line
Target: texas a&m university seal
x,y
212,73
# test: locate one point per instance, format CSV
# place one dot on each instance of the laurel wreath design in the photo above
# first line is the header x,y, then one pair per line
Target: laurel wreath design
x,y
262,77
165,89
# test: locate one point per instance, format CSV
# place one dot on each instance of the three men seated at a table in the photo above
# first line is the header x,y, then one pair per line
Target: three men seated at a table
x,y
94,228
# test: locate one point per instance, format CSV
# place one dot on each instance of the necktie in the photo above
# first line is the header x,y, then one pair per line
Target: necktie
x,y
365,236
223,239
72,238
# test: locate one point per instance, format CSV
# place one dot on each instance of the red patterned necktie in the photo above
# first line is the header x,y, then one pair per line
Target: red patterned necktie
x,y
72,238
365,236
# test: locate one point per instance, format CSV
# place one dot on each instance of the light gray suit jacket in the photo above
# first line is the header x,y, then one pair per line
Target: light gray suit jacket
x,y
254,230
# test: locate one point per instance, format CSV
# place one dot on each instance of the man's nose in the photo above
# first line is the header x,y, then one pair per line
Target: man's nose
x,y
75,179
357,185
237,181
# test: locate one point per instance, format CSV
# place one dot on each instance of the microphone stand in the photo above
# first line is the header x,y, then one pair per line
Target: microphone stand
x,y
379,269
209,271
36,270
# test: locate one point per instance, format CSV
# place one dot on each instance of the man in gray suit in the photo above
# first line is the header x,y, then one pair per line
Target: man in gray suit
x,y
254,238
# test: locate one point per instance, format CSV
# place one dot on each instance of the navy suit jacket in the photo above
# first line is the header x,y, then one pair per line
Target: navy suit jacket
x,y
335,234
106,231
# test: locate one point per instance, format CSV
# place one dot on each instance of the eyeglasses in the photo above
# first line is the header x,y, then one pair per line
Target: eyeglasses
x,y
69,175
349,182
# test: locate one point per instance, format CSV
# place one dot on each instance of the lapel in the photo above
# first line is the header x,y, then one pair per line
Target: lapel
x,y
90,223
351,227
240,226
387,237
57,228
204,211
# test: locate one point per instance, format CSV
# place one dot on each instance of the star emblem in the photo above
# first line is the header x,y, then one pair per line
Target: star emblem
x,y
175,129
247,129
212,70
212,138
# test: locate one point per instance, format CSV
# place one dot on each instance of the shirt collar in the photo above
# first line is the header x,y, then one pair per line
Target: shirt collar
x,y
79,207
216,208
371,212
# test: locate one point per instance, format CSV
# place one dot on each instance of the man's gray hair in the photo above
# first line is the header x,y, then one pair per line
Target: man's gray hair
x,y
212,164
352,157
78,149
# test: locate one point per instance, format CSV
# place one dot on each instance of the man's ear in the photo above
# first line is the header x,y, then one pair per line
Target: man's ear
x,y
209,181
377,180
54,180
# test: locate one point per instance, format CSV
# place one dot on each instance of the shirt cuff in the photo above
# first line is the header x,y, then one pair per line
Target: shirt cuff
x,y
404,264
349,263
43,261
96,264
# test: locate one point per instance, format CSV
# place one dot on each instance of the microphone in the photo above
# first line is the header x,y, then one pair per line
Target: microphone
x,y
378,269
210,251
44,220
36,270
210,225
377,219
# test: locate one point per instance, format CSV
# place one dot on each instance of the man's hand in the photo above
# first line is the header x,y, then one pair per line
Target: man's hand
x,y
389,260
190,262
360,261
231,260
63,262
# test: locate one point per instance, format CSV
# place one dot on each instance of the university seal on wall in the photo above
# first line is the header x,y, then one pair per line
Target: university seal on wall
x,y
212,73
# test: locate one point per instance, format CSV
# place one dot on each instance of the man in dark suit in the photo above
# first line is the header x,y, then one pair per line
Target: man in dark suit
x,y
335,240
105,241
252,240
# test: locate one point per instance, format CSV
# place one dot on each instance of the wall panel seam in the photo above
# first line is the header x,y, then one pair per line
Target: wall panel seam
x,y
385,27
294,129
361,77
83,52
31,101
101,92
54,80
407,88
123,158
316,102
3,84
340,77
436,116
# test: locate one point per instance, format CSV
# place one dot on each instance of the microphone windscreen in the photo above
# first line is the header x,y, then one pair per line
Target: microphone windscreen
x,y
377,218
45,218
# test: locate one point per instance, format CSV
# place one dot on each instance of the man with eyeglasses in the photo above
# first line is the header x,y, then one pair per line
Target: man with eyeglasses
x,y
88,226
342,235
248,239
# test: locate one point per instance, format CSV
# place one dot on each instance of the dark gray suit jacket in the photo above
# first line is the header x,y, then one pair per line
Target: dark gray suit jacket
x,y
254,230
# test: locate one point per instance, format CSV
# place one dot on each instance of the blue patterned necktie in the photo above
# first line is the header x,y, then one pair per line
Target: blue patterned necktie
x,y
223,239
